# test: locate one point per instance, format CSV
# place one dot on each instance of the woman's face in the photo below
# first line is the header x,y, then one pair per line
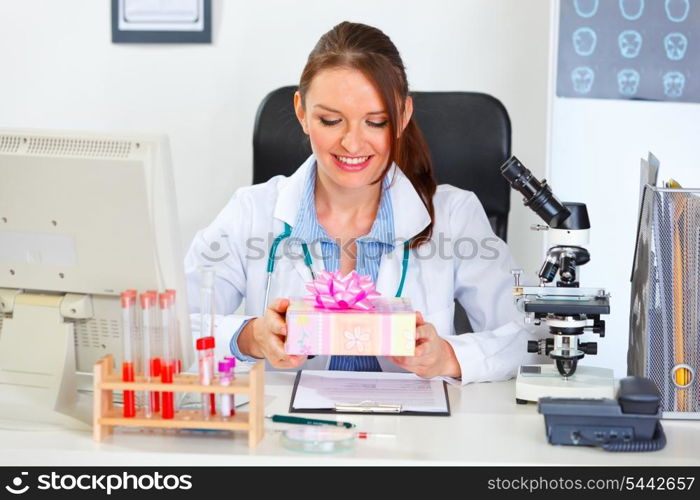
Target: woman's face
x,y
347,125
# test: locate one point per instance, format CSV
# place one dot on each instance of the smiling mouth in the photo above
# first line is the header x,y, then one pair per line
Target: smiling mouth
x,y
352,163
352,160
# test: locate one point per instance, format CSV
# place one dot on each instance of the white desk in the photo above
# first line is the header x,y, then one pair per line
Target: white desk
x,y
486,428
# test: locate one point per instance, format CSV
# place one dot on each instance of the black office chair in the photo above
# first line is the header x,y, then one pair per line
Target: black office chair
x,y
468,134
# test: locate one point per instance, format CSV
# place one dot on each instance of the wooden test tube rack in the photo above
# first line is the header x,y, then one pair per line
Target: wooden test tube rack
x,y
106,416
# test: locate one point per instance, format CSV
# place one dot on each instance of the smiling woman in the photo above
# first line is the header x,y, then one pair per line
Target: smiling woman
x,y
366,201
354,104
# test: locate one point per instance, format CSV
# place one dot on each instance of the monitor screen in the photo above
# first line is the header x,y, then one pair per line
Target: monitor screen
x,y
83,217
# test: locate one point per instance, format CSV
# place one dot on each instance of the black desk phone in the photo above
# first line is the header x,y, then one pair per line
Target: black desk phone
x,y
629,423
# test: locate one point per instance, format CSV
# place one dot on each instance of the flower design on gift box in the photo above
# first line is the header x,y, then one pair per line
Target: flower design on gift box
x,y
304,347
356,339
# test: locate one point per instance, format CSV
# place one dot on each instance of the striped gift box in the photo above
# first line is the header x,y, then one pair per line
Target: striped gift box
x,y
388,330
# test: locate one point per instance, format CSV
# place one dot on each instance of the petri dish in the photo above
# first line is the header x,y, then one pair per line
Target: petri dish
x,y
318,439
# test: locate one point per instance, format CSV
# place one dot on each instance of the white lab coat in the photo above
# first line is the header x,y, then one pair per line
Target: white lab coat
x,y
477,274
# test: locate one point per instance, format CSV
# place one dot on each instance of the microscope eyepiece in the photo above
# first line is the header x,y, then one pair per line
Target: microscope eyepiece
x,y
538,195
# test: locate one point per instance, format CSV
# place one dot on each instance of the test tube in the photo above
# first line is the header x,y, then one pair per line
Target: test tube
x,y
205,350
148,320
128,300
232,362
225,380
174,333
206,331
156,348
175,349
166,364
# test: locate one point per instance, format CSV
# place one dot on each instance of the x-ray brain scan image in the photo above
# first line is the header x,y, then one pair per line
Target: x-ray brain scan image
x,y
645,50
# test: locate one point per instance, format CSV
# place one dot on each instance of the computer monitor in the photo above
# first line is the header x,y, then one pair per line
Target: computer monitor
x,y
83,217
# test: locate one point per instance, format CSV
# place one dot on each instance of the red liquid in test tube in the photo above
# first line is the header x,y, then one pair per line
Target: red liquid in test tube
x,y
205,351
166,364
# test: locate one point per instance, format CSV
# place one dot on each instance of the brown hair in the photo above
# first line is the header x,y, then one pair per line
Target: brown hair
x,y
370,51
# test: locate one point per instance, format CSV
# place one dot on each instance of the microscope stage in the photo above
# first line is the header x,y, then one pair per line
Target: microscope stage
x,y
564,307
538,381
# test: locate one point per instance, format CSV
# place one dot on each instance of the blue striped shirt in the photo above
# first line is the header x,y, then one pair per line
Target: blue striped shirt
x,y
370,249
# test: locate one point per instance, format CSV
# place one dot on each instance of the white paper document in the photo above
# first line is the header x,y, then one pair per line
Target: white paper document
x,y
369,391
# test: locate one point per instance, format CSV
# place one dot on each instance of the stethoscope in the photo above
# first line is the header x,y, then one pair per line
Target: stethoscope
x,y
307,260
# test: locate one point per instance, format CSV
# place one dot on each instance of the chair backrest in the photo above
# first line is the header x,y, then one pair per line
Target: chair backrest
x,y
468,134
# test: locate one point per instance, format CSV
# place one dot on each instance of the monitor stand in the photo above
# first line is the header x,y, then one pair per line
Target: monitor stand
x,y
22,409
37,365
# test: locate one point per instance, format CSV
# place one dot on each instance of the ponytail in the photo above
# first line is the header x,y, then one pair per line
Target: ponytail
x,y
413,158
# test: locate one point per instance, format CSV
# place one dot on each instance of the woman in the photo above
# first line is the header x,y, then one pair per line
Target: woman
x,y
367,189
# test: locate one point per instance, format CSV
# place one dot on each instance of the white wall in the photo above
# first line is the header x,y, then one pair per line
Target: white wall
x,y
596,148
60,70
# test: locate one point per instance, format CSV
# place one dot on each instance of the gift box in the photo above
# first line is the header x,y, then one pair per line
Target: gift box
x,y
344,316
387,330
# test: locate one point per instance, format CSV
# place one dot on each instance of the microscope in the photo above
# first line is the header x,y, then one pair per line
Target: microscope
x,y
558,301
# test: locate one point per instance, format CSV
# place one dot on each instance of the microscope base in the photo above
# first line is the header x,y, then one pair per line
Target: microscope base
x,y
538,381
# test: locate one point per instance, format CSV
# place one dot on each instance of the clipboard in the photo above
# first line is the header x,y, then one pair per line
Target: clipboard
x,y
369,404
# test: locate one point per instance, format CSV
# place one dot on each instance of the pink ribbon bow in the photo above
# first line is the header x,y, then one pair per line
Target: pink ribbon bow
x,y
335,291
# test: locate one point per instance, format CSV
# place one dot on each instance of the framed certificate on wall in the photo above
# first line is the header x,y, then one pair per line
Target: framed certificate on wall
x,y
161,21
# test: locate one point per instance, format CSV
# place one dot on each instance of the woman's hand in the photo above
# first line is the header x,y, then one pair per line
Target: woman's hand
x,y
434,356
264,337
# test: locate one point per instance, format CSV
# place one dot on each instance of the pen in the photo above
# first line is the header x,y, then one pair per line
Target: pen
x,y
308,421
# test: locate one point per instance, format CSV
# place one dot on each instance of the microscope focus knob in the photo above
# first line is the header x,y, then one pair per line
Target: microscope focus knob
x,y
542,346
598,327
589,347
533,346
